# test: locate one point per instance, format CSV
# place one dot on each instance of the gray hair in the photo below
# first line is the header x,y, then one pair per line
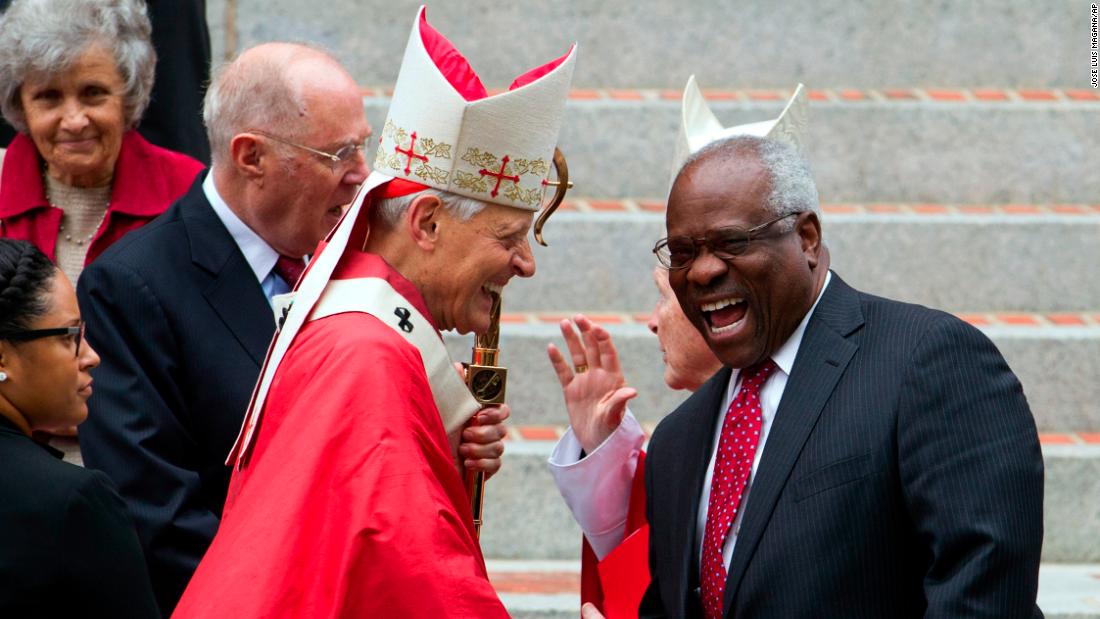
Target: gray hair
x,y
792,184
47,36
391,210
257,92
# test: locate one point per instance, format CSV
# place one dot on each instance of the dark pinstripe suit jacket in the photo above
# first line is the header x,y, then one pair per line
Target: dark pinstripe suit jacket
x,y
902,478
182,326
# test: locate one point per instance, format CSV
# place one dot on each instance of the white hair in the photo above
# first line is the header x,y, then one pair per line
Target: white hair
x,y
391,210
256,93
792,184
47,36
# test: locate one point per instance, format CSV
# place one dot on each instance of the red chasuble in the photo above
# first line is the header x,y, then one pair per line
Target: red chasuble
x,y
617,583
350,504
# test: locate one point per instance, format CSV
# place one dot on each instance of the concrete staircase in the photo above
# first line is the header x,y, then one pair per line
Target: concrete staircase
x,y
956,149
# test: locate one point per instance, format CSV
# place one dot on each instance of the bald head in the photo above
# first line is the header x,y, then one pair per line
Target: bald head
x,y
268,87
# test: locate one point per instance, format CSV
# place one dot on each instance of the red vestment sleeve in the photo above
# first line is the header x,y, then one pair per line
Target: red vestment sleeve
x,y
351,504
616,584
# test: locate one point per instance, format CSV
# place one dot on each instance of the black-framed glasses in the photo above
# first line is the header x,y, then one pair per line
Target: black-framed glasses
x,y
678,252
336,160
77,333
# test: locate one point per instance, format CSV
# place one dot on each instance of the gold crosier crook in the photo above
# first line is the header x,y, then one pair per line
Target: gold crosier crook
x,y
561,186
484,377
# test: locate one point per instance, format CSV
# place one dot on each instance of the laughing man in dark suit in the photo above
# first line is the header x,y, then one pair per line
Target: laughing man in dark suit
x,y
857,456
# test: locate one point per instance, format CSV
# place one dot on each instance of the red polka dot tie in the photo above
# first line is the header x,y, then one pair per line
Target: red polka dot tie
x,y
736,450
289,269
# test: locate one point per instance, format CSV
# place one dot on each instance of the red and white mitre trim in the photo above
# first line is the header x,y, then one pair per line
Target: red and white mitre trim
x,y
445,131
699,126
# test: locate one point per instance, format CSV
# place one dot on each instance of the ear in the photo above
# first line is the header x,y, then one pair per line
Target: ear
x,y
423,220
7,353
808,227
248,154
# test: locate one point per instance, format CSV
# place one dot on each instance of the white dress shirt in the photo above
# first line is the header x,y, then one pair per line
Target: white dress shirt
x,y
596,492
259,255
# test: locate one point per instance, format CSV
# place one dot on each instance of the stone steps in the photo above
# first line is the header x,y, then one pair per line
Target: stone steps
x,y
526,518
862,149
1057,366
1014,257
625,43
551,589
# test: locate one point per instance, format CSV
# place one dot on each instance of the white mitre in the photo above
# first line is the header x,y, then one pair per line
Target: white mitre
x,y
444,131
699,126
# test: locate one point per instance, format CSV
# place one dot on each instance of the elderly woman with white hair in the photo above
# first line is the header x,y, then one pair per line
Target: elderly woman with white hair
x,y
75,77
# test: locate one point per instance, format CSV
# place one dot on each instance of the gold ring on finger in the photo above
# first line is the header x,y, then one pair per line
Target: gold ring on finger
x,y
581,369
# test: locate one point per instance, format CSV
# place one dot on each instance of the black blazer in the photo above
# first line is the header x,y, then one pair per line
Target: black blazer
x,y
69,547
902,478
182,326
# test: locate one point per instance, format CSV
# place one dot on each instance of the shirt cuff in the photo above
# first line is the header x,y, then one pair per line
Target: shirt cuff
x,y
597,487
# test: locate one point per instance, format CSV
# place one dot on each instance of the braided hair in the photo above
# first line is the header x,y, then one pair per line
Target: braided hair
x,y
26,275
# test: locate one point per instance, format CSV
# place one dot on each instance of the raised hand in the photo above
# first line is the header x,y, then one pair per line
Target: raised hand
x,y
594,387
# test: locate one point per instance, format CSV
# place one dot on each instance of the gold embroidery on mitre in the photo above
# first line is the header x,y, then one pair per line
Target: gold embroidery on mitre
x,y
501,175
471,182
409,154
516,193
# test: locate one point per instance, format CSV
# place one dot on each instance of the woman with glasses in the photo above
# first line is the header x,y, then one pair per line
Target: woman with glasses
x,y
69,547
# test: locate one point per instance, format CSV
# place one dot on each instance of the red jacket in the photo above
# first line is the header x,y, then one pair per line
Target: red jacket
x,y
147,180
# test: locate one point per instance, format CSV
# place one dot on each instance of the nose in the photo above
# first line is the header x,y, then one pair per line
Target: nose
x,y
74,118
652,323
706,267
358,171
89,358
523,260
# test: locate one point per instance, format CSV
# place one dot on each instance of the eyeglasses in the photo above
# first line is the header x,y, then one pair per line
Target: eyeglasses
x,y
679,252
336,160
77,333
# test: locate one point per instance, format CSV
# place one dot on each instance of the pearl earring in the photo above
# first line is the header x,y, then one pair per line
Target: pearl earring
x,y
3,376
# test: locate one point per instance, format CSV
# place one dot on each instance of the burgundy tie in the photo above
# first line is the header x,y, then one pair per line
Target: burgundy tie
x,y
736,450
290,269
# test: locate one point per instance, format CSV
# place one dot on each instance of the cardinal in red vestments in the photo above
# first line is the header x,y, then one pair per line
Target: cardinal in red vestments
x,y
346,499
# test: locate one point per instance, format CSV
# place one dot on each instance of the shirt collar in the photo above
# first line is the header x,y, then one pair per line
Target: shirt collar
x,y
7,426
785,355
259,255
21,186
133,190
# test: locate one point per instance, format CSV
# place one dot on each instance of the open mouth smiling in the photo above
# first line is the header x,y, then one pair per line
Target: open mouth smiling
x,y
725,314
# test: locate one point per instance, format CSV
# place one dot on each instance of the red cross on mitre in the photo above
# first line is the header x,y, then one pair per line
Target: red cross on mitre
x,y
500,176
410,153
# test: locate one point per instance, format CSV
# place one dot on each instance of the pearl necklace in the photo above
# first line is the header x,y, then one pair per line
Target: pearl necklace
x,y
79,242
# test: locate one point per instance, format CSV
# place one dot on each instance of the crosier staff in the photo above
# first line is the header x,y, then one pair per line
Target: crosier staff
x,y
484,376
486,381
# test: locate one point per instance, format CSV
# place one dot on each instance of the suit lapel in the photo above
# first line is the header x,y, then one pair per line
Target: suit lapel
x,y
822,358
233,292
698,439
